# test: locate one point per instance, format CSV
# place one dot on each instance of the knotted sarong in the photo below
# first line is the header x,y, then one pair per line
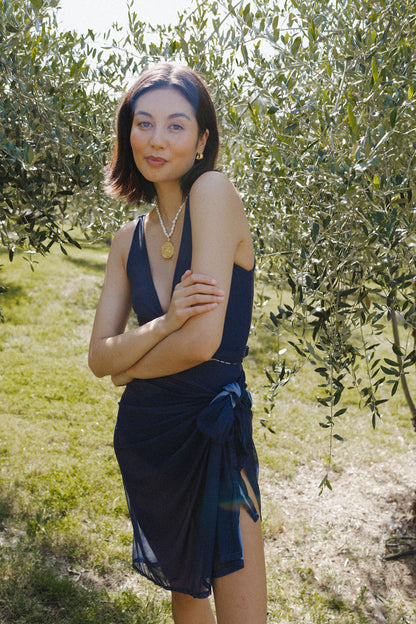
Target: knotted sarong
x,y
181,464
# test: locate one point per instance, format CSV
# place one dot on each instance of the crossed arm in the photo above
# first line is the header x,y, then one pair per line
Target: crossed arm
x,y
191,330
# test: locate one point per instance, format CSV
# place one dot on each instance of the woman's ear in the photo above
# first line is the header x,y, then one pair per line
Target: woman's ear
x,y
203,141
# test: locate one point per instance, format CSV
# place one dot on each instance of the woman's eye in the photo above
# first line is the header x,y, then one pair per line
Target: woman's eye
x,y
144,124
176,127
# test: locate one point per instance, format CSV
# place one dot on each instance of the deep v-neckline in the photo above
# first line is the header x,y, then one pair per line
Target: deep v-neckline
x,y
177,264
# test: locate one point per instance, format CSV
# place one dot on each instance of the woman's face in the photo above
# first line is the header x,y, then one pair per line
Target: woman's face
x,y
164,135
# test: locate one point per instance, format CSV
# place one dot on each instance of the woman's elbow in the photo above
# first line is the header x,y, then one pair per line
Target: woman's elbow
x,y
95,365
203,350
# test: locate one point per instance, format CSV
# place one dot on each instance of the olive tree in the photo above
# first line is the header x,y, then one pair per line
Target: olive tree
x,y
54,134
55,131
332,151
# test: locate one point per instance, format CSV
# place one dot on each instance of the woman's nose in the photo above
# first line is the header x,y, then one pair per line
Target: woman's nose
x,y
158,138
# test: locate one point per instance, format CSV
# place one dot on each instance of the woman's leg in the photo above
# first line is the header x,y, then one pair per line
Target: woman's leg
x,y
241,597
188,610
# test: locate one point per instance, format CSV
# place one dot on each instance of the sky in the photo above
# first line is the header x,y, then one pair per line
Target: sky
x,y
99,15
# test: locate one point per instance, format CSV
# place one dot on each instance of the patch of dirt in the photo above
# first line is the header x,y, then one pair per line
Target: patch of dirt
x,y
340,536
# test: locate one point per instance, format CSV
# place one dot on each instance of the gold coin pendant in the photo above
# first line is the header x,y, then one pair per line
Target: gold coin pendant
x,y
167,250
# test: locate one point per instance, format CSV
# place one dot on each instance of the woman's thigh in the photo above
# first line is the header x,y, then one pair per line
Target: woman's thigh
x,y
241,597
188,610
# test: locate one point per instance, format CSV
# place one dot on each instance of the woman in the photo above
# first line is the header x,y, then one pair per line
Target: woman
x,y
183,436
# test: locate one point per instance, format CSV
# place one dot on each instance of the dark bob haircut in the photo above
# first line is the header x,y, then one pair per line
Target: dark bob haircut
x,y
123,179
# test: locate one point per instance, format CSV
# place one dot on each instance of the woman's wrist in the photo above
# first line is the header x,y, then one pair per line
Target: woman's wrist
x,y
159,329
167,324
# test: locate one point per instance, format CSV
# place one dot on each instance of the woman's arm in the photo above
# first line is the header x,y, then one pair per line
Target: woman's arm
x,y
112,350
219,227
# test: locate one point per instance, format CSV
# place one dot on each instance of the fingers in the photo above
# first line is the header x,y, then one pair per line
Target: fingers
x,y
186,274
195,310
197,278
195,294
186,308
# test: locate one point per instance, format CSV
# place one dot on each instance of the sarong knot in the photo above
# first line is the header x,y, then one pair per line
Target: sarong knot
x,y
217,419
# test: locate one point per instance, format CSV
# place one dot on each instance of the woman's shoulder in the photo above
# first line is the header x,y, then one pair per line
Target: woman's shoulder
x,y
215,190
122,239
126,231
214,181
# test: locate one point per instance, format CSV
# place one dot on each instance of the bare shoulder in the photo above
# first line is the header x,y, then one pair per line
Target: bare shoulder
x,y
121,242
125,234
213,178
213,190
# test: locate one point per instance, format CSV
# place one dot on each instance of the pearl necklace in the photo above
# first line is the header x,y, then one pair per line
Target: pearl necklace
x,y
167,249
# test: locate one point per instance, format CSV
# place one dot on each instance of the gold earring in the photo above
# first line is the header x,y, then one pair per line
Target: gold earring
x,y
199,156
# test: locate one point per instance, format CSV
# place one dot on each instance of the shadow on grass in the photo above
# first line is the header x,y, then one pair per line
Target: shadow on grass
x,y
84,263
371,605
34,592
406,548
11,292
6,510
38,586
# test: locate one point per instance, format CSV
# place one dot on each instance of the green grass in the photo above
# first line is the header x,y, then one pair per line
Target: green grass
x,y
64,528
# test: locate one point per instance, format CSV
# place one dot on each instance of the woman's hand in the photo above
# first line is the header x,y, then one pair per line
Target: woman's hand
x,y
195,294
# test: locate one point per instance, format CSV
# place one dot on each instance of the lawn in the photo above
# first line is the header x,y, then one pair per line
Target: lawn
x,y
64,529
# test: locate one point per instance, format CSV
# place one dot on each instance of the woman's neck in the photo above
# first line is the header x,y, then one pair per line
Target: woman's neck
x,y
169,199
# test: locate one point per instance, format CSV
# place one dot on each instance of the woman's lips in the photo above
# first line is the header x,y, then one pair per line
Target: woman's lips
x,y
154,161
